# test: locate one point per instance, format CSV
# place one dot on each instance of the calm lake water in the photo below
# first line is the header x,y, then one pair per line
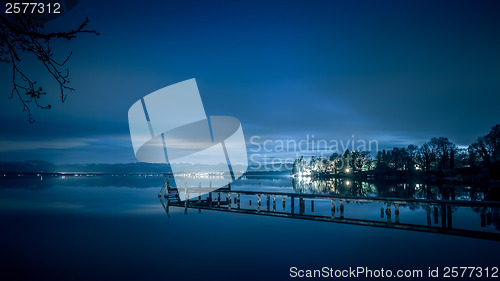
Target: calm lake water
x,y
107,228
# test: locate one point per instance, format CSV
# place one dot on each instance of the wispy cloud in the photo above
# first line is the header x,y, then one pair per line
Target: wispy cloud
x,y
21,145
12,144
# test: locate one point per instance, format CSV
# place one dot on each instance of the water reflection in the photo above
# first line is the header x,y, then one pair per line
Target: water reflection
x,y
478,219
45,181
414,190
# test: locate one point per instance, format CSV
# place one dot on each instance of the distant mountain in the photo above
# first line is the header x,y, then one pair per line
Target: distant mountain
x,y
45,167
35,166
32,166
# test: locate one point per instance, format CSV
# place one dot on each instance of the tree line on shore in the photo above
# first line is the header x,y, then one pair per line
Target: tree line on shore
x,y
439,154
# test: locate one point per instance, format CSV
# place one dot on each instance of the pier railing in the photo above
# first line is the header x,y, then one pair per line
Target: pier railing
x,y
333,208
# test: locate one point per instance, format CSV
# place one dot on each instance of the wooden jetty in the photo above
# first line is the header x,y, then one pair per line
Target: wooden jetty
x,y
293,205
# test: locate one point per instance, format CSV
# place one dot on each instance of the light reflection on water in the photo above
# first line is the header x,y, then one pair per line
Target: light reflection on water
x,y
393,212
102,228
415,190
126,194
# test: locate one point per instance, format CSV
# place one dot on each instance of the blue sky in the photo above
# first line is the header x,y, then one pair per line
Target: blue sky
x,y
400,72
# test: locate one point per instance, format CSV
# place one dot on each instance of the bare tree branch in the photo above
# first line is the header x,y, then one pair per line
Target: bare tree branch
x,y
23,34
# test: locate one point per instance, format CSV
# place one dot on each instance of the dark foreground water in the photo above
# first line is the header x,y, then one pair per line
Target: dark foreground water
x,y
115,228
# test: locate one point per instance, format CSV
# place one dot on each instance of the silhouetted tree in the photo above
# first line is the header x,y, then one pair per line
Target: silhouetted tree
x,y
23,33
426,156
486,149
298,165
379,157
364,161
443,148
461,157
438,153
398,158
412,154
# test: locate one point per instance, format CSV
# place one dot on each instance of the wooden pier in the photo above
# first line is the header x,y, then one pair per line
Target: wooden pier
x,y
439,213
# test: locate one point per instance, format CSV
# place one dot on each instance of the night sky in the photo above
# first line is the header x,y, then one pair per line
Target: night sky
x,y
399,72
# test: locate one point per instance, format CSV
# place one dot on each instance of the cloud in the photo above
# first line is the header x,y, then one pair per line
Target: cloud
x,y
22,145
14,144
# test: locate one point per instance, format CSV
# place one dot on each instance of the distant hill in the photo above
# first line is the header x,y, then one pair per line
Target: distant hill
x,y
35,166
46,167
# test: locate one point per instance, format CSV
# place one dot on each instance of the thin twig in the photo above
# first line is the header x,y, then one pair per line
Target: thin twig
x,y
25,36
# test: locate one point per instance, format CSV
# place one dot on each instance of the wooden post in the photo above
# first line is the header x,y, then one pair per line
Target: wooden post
x,y
388,212
210,199
448,216
283,203
312,206
258,203
268,203
218,199
238,200
199,193
167,191
396,212
443,216
229,201
436,215
333,208
428,209
301,205
274,204
341,209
